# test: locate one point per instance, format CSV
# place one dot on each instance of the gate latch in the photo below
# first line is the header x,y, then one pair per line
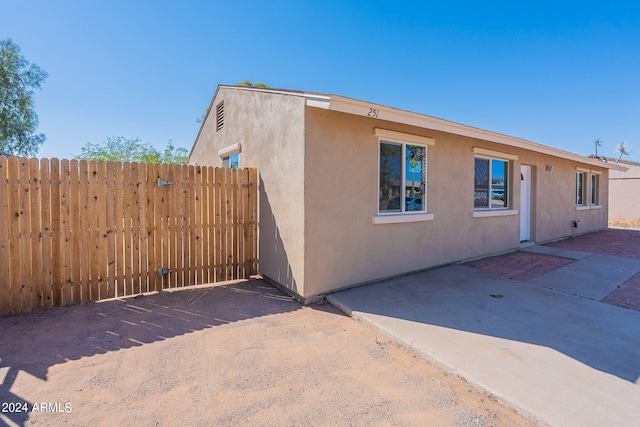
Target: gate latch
x,y
163,271
162,182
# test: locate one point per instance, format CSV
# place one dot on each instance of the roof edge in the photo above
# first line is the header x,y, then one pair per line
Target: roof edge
x,y
313,97
377,111
204,120
290,92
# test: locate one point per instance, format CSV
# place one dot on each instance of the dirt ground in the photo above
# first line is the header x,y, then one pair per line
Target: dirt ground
x,y
229,355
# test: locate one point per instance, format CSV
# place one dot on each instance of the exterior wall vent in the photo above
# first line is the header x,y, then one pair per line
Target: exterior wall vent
x,y
220,116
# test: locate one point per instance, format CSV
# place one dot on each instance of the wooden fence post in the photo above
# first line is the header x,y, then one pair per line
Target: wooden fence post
x,y
5,253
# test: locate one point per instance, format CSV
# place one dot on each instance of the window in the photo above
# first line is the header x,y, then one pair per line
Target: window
x,y
402,177
580,188
593,197
403,173
587,194
231,161
491,184
230,156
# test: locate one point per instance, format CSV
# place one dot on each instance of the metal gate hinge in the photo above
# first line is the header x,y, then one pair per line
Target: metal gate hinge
x,y
163,271
162,182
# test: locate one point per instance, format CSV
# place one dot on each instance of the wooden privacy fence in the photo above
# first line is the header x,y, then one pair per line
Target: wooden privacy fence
x,y
75,231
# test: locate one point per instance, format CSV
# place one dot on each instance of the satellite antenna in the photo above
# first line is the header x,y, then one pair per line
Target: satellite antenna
x,y
598,144
624,149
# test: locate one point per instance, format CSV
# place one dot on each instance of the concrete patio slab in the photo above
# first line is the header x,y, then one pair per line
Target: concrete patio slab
x,y
594,277
562,359
559,252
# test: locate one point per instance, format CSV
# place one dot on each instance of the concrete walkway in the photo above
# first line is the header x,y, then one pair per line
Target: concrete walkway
x,y
548,347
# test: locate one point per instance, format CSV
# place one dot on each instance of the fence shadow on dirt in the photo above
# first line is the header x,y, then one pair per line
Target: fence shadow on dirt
x,y
34,342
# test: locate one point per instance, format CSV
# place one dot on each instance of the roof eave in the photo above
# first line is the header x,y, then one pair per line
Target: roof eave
x,y
367,109
310,97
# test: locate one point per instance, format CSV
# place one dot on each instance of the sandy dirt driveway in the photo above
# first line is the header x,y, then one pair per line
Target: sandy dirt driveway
x,y
229,355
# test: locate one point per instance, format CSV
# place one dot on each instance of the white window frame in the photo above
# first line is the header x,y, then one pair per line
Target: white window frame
x,y
581,174
593,189
507,179
226,153
588,188
486,154
403,139
403,177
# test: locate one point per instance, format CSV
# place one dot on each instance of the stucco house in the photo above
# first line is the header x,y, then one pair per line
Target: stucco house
x,y
353,192
624,192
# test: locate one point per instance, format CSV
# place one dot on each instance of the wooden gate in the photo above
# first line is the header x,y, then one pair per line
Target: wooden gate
x,y
75,231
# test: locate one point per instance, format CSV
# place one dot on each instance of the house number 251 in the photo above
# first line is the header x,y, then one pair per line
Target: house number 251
x,y
373,113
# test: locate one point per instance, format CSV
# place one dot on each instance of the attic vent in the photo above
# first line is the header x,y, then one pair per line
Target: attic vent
x,y
220,116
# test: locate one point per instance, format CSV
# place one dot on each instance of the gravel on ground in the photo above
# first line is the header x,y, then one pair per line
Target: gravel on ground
x,y
235,354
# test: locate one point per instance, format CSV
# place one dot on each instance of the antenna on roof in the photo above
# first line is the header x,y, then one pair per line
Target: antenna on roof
x,y
624,149
598,144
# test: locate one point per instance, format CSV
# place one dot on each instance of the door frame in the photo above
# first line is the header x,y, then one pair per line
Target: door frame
x,y
526,191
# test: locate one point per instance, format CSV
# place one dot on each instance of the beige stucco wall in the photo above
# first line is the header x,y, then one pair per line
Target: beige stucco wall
x,y
556,193
624,199
270,129
319,192
624,193
344,247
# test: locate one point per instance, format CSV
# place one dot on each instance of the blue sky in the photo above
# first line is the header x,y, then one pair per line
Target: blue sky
x,y
557,73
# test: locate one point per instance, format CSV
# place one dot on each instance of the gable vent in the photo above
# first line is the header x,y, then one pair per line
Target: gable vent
x,y
220,116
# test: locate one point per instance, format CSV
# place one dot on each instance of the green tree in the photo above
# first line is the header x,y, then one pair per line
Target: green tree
x,y
247,83
18,120
121,149
415,157
173,154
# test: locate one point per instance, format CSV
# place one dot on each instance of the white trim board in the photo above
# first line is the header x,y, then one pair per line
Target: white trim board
x,y
223,152
361,108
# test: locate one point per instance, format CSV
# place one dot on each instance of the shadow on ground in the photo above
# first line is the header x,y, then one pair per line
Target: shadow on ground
x,y
34,342
602,336
489,303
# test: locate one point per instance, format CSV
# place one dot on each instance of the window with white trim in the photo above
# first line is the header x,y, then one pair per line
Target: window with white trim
x,y
491,183
580,188
593,196
231,156
402,177
231,161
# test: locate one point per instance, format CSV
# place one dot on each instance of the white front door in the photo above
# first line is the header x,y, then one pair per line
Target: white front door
x,y
525,203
